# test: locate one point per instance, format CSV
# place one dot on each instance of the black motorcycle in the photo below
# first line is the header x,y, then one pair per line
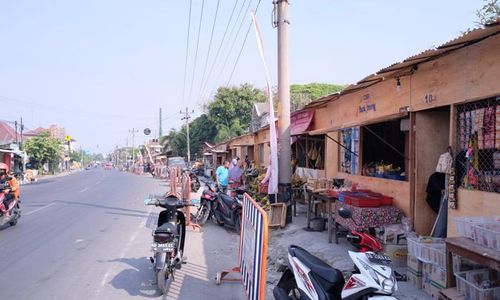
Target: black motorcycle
x,y
227,209
168,240
207,203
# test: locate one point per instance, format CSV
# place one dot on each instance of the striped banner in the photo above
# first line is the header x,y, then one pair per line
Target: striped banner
x,y
253,249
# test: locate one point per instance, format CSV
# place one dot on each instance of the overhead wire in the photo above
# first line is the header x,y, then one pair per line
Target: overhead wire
x,y
196,53
233,43
209,48
218,49
242,46
187,53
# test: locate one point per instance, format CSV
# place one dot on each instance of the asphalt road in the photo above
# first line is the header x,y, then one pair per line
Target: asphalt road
x,y
87,236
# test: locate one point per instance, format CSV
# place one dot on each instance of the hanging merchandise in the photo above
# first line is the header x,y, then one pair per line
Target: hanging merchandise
x,y
461,137
480,131
452,198
319,159
444,163
497,128
489,127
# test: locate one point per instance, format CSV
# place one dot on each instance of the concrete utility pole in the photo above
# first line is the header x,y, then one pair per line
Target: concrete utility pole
x,y
187,117
133,131
160,133
284,156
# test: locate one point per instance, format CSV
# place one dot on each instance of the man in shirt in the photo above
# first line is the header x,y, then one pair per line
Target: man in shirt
x,y
222,176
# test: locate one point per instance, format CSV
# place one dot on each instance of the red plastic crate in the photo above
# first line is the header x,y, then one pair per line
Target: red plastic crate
x,y
365,202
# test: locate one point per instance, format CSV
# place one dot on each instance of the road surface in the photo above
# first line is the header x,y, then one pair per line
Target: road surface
x,y
87,236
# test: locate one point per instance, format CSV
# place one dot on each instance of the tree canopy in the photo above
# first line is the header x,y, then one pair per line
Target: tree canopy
x,y
303,94
231,109
43,149
489,12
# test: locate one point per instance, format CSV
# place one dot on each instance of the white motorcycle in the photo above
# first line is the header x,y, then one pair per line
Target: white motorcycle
x,y
308,277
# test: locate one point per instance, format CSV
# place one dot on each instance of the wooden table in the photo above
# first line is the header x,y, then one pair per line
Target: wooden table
x,y
329,200
467,248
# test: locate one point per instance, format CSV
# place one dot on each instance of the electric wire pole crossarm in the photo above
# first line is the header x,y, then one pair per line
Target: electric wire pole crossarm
x,y
186,117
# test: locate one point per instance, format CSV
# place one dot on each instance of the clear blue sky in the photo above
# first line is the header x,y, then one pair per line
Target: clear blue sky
x,y
101,67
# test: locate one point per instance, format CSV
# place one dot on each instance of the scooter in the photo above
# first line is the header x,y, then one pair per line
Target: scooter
x,y
168,240
207,203
227,210
14,209
308,277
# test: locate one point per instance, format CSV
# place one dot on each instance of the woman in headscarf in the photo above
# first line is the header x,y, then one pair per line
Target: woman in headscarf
x,y
235,171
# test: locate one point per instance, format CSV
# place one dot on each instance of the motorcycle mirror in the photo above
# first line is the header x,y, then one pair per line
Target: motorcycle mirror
x,y
345,213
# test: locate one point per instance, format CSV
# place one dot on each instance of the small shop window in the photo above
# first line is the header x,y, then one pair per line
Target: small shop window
x,y
349,153
477,159
384,147
309,152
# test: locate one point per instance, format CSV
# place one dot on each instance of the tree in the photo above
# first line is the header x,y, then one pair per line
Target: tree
x,y
201,130
489,12
43,149
303,94
231,109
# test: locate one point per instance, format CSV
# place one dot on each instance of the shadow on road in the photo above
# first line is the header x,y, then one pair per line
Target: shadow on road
x,y
102,206
138,280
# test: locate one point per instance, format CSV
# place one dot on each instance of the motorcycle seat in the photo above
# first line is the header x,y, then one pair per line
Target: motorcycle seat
x,y
166,228
227,199
317,266
240,191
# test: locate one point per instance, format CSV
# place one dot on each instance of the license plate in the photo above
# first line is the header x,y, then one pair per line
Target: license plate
x,y
378,258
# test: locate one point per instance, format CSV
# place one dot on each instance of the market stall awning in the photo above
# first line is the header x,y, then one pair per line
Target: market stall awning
x,y
300,121
359,123
16,152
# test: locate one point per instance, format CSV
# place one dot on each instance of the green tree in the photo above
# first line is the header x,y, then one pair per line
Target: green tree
x,y
43,149
231,109
201,130
489,12
303,94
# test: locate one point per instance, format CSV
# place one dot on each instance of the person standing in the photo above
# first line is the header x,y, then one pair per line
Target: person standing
x,y
222,176
235,171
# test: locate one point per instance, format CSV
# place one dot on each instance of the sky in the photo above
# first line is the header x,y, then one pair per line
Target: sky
x,y
101,68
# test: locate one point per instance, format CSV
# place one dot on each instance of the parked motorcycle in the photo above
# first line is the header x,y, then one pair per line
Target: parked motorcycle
x,y
168,240
207,203
308,277
227,210
14,209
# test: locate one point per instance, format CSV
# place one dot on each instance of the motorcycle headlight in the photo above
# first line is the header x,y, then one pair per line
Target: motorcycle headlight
x,y
388,285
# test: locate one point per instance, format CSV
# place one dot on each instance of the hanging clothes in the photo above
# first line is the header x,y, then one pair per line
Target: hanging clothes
x,y
489,127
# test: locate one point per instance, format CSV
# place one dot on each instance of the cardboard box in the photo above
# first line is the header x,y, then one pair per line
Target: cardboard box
x,y
450,294
398,255
414,271
427,278
438,276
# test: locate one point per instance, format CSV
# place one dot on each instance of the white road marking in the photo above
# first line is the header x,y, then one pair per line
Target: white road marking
x,y
110,270
97,182
84,190
38,209
78,241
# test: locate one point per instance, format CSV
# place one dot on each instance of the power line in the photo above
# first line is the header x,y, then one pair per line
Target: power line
x,y
220,47
196,53
187,52
209,48
242,46
232,45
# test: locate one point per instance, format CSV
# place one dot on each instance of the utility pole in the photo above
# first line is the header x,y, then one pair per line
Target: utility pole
x,y
22,129
160,133
133,131
15,125
187,117
284,157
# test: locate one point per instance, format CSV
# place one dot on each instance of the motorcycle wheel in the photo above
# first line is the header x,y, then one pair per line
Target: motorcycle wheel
x,y
164,280
237,223
216,219
202,215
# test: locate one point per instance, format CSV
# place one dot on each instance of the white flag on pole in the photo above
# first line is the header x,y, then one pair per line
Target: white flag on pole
x,y
273,179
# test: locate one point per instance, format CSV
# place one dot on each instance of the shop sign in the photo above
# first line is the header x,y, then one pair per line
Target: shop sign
x,y
366,105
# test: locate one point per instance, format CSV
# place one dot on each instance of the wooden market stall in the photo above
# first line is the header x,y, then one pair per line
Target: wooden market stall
x,y
387,131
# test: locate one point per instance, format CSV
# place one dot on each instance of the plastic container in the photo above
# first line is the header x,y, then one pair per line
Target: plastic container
x,y
414,248
461,264
488,235
465,225
433,253
469,284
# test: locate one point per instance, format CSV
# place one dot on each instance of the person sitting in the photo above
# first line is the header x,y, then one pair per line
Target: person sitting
x,y
11,191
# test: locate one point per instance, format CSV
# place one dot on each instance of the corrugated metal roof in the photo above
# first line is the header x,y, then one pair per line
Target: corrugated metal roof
x,y
408,64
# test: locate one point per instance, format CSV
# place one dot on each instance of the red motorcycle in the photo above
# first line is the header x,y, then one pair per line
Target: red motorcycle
x,y
362,240
207,203
9,214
